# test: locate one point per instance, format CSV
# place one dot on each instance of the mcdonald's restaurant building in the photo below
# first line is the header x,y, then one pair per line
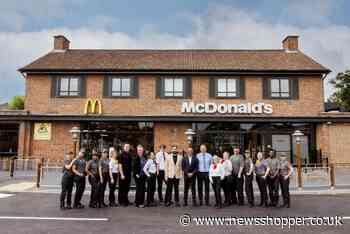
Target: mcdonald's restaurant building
x,y
253,99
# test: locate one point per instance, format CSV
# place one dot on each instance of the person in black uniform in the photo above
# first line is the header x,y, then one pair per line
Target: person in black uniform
x,y
190,169
285,172
237,161
93,177
78,168
139,163
248,178
272,179
125,161
67,182
104,176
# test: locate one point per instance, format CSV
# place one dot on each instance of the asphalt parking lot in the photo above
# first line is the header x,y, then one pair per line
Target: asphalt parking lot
x,y
157,219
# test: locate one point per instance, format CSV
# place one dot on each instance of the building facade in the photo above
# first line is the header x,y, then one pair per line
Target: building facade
x,y
253,99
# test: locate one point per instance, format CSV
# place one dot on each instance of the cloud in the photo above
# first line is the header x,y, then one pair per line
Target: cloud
x,y
16,14
219,27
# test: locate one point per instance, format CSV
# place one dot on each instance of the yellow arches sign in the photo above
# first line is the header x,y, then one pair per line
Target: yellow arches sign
x,y
93,106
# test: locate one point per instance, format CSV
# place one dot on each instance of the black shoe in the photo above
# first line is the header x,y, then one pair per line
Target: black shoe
x,y
113,204
194,203
177,204
200,203
185,204
167,204
140,206
251,205
68,207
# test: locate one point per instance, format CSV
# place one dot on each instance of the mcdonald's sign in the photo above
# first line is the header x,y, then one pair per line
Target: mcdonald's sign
x,y
93,106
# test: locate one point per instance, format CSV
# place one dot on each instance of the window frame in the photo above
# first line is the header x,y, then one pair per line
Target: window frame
x,y
279,88
58,83
237,87
121,91
163,91
107,87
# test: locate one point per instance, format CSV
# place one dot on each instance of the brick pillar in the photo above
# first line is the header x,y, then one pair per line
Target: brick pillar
x,y
24,139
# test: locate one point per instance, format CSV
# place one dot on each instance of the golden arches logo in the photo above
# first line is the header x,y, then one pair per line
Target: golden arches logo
x,y
93,106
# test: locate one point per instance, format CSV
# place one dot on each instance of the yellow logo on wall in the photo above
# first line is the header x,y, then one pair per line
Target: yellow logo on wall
x,y
42,131
93,106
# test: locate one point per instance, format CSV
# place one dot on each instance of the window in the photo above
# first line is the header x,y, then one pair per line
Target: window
x,y
68,86
226,87
173,87
121,87
280,88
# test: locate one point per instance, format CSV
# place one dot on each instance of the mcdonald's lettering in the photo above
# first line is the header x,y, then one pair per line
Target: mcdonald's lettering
x,y
93,106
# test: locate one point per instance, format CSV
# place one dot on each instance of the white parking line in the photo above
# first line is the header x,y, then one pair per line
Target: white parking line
x,y
4,195
51,218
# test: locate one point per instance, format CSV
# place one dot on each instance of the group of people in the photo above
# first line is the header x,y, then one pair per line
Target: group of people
x,y
228,173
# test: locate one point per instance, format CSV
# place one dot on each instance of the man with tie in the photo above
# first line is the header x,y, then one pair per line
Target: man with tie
x,y
204,161
160,159
190,169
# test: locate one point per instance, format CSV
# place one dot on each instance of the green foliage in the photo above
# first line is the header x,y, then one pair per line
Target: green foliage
x,y
17,103
342,93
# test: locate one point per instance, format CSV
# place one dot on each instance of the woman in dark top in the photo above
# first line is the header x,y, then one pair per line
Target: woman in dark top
x,y
104,176
67,182
125,162
93,177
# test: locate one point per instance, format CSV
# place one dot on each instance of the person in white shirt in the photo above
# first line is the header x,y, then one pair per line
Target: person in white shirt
x,y
227,183
160,159
216,175
113,176
150,170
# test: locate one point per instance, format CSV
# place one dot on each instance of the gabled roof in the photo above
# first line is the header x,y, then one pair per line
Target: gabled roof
x,y
174,60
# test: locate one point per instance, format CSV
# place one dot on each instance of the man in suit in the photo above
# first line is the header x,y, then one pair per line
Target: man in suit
x,y
172,175
190,169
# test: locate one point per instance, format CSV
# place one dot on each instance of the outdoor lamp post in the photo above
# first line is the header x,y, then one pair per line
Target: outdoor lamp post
x,y
189,134
297,135
75,131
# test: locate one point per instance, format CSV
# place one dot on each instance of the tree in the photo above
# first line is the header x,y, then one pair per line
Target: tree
x,y
17,103
342,94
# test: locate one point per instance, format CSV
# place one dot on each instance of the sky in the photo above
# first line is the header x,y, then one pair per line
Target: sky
x,y
27,29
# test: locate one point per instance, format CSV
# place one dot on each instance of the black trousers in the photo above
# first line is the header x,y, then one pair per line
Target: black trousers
x,y
80,187
95,186
262,188
140,190
160,181
248,185
190,183
285,189
112,188
67,187
227,184
103,186
237,190
124,187
203,178
217,190
172,182
151,188
273,187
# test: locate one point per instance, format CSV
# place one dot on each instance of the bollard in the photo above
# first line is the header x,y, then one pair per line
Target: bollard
x,y
42,160
38,174
332,175
12,166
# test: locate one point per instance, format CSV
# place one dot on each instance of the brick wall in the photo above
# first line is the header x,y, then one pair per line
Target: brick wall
x,y
38,99
61,142
170,134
